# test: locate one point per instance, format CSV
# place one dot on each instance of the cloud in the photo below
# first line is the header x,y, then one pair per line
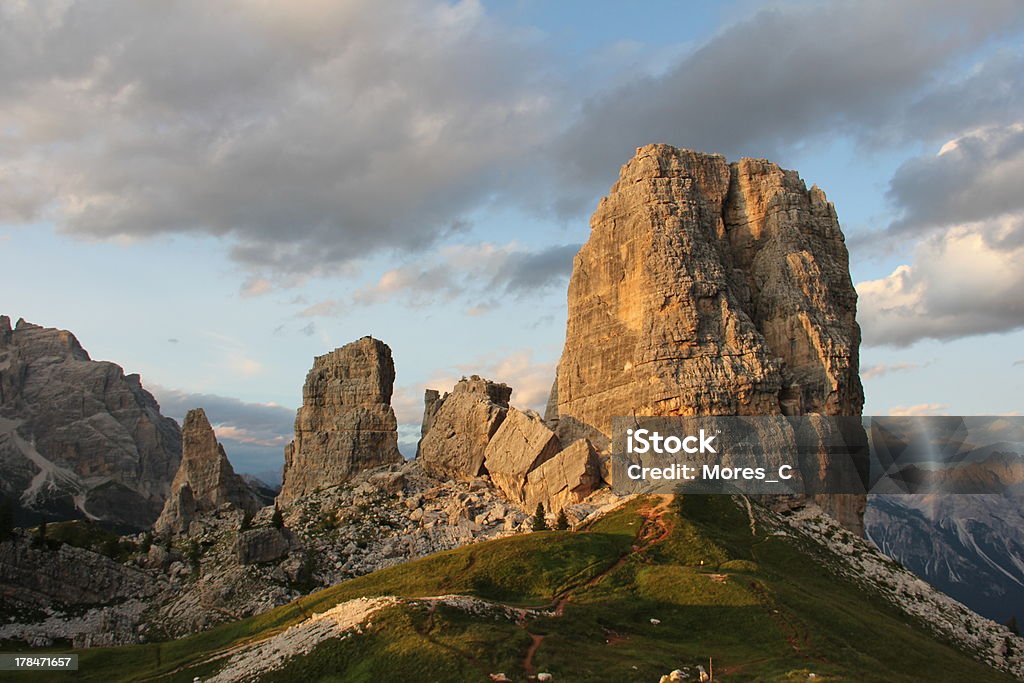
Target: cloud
x,y
306,134
919,409
256,286
253,434
529,378
974,177
882,369
786,75
262,424
990,94
463,271
964,282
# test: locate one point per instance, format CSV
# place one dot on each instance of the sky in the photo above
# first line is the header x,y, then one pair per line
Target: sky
x,y
211,194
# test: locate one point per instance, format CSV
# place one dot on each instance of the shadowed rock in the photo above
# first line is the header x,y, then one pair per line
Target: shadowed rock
x,y
205,481
79,436
346,423
519,446
459,426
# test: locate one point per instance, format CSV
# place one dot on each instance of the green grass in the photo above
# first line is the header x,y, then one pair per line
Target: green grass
x,y
759,605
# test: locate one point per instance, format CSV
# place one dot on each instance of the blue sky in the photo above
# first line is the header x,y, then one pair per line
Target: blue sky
x,y
212,196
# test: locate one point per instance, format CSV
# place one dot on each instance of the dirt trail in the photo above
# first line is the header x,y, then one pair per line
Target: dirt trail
x,y
653,530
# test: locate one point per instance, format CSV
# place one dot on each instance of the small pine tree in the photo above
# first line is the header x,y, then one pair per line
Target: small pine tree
x,y
539,522
146,543
277,521
6,521
1012,625
246,522
40,539
562,524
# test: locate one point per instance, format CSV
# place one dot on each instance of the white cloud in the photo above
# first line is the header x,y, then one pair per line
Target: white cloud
x,y
256,286
919,409
307,133
974,177
882,369
529,378
468,271
967,281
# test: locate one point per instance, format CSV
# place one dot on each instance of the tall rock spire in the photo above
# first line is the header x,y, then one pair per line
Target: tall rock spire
x,y
205,480
709,288
346,423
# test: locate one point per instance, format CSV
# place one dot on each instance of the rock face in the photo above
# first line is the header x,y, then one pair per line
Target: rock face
x,y
262,545
709,288
458,426
522,443
566,479
77,436
205,481
346,423
36,577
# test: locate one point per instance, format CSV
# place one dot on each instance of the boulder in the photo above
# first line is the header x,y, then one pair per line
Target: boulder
x,y
346,423
520,445
567,478
459,426
256,546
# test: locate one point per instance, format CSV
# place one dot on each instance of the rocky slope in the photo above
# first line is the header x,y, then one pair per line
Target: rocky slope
x,y
971,547
79,437
346,423
655,585
219,571
709,288
205,480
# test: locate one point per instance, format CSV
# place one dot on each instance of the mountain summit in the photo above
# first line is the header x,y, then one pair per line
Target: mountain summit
x,y
709,288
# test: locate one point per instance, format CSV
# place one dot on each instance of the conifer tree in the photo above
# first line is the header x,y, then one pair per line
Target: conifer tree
x,y
6,521
539,522
563,522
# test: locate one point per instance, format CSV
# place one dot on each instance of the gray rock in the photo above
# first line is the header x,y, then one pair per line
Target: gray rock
x,y
205,481
256,546
78,435
461,425
346,423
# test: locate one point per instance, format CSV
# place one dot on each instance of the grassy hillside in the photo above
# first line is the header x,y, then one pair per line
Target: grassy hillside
x,y
756,603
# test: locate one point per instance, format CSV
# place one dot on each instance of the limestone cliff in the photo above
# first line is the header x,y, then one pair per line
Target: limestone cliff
x,y
709,288
205,480
78,436
346,423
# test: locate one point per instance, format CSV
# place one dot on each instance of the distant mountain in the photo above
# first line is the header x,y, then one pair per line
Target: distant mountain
x,y
970,546
78,437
